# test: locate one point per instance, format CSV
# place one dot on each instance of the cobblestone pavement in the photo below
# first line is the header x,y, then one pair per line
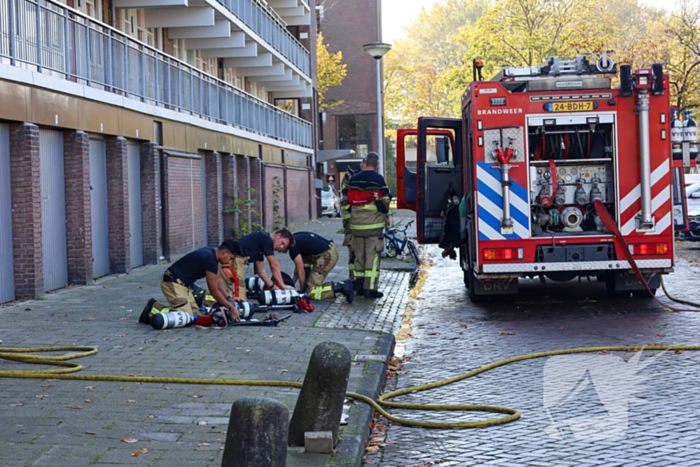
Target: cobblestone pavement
x,y
73,423
446,335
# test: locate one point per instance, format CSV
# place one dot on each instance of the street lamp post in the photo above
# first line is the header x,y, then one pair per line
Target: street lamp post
x,y
377,50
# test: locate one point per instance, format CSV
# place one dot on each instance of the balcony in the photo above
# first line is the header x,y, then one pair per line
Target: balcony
x,y
64,43
272,29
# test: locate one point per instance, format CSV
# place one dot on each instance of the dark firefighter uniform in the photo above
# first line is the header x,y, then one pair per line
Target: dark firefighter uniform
x,y
367,222
347,240
319,256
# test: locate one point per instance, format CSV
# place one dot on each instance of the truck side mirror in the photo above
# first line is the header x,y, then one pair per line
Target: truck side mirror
x,y
695,195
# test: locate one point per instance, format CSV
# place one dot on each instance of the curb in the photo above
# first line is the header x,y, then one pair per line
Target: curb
x,y
351,448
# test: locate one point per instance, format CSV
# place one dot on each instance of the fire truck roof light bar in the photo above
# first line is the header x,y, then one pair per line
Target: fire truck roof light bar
x,y
555,66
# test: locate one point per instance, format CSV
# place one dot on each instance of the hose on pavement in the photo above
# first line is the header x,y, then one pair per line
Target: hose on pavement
x,y
67,370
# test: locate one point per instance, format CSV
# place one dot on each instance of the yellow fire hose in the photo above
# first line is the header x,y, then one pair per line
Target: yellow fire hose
x,y
22,355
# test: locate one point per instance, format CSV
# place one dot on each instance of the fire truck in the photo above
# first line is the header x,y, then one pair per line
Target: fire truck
x,y
510,189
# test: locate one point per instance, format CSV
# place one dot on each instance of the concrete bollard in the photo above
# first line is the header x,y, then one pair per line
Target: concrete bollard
x,y
257,434
320,403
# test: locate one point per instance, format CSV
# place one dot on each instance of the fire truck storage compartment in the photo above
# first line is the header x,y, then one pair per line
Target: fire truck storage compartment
x,y
575,253
572,163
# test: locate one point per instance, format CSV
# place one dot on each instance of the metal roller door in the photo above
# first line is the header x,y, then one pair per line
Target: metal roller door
x,y
98,205
7,275
135,228
53,209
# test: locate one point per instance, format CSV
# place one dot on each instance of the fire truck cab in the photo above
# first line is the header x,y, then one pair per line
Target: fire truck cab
x,y
511,186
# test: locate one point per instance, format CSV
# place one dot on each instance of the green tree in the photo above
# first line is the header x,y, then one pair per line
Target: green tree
x,y
330,72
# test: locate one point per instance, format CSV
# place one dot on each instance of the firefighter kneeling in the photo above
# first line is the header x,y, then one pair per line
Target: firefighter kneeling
x,y
369,197
314,258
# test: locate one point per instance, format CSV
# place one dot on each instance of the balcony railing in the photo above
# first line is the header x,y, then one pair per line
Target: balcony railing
x,y
63,42
271,29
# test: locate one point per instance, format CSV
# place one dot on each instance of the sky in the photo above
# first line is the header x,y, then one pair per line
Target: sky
x,y
397,13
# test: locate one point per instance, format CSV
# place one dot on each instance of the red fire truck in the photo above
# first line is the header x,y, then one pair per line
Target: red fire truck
x,y
511,187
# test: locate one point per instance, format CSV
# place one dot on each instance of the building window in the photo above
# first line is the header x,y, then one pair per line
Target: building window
x,y
355,132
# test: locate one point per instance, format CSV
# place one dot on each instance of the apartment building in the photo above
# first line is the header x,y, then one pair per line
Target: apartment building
x,y
349,130
132,130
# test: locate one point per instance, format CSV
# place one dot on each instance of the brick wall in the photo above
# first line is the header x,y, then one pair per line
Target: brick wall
x,y
76,150
228,166
256,182
185,204
118,205
150,203
270,174
346,27
26,210
213,187
297,196
243,181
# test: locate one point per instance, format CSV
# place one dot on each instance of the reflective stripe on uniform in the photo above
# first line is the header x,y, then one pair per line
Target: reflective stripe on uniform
x,y
209,298
375,272
368,207
368,226
359,274
317,292
351,267
346,216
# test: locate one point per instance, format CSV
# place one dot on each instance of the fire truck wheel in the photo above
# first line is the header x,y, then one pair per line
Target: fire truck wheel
x,y
473,296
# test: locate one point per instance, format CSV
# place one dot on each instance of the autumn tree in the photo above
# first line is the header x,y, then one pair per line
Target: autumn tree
x,y
415,70
331,72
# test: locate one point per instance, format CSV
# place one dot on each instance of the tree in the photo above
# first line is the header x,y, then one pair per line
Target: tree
x,y
415,71
331,72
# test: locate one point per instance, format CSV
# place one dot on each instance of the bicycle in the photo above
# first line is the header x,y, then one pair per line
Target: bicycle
x,y
396,241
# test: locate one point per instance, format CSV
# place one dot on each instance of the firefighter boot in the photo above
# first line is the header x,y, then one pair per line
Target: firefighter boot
x,y
358,285
373,294
346,288
144,319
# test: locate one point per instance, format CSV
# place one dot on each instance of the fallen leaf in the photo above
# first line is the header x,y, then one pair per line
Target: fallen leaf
x,y
476,345
510,333
89,387
130,440
203,444
130,400
659,335
372,449
224,361
89,401
16,405
432,333
27,309
75,407
41,396
136,453
196,396
51,380
282,371
462,325
144,451
153,416
203,422
45,385
677,351
90,432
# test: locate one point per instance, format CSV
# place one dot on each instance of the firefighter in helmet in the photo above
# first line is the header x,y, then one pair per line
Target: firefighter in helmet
x,y
347,240
369,197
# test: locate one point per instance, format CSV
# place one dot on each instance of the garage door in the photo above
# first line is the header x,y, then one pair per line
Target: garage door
x,y
7,275
53,209
135,228
98,205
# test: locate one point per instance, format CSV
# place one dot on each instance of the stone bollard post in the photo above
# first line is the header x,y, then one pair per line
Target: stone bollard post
x,y
320,403
257,434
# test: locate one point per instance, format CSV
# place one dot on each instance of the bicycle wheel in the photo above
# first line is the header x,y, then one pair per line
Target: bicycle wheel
x,y
390,248
414,252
